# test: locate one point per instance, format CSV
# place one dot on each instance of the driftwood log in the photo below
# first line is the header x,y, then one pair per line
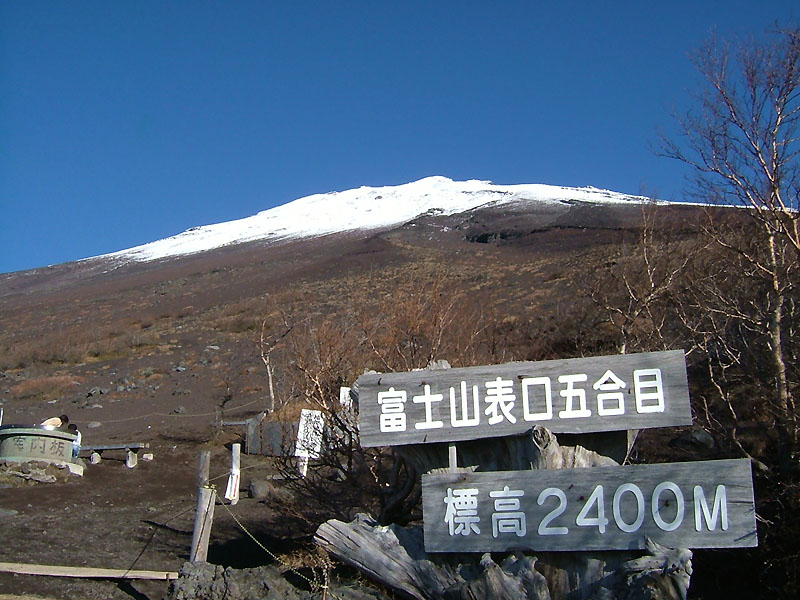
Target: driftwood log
x,y
395,556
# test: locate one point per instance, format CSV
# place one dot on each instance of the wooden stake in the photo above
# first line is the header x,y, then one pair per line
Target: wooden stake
x,y
218,420
302,465
206,497
203,469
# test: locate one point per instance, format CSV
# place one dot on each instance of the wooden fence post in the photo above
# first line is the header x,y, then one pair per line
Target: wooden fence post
x,y
452,458
206,497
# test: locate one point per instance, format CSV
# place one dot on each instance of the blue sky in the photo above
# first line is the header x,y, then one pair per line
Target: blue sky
x,y
126,122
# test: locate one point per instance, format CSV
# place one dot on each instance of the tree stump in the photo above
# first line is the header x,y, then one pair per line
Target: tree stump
x,y
395,556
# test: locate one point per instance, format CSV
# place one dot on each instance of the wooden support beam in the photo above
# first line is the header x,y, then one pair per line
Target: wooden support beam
x,y
102,447
84,572
131,457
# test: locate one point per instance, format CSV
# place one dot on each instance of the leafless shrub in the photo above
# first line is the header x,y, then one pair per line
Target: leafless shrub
x,y
75,344
406,329
635,292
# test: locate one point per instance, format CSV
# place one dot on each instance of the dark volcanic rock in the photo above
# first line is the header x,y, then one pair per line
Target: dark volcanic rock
x,y
261,490
204,581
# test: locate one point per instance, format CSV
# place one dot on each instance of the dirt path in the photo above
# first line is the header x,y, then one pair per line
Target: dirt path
x,y
115,517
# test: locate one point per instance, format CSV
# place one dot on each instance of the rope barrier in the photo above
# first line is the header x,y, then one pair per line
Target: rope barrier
x,y
276,558
175,415
312,584
155,531
226,473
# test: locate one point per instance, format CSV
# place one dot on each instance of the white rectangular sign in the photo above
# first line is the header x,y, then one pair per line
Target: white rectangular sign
x,y
309,434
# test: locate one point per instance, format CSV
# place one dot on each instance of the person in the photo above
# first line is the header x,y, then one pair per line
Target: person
x,y
61,422
76,445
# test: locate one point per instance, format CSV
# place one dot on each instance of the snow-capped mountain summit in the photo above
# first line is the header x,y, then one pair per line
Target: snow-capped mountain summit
x,y
364,208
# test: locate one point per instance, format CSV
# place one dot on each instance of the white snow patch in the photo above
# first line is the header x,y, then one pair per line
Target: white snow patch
x,y
365,208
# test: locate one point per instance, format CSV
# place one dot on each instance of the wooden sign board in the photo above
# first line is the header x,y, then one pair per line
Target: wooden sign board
x,y
578,395
270,438
706,504
309,434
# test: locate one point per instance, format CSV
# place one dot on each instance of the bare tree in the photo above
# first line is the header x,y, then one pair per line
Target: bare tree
x,y
267,344
637,289
742,143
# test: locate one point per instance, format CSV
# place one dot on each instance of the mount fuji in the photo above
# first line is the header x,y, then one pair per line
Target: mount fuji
x,y
367,209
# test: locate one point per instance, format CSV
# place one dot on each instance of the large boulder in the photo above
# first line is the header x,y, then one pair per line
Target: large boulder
x,y
261,490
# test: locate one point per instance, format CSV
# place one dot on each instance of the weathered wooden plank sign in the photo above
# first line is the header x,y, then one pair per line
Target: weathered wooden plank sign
x,y
705,504
309,438
309,434
578,395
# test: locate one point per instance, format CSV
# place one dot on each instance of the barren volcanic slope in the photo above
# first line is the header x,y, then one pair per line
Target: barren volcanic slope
x,y
144,345
195,299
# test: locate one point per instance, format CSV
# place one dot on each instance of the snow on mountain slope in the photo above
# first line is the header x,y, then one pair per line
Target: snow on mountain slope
x,y
365,208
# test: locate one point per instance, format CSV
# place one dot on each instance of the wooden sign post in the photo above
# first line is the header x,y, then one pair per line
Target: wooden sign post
x,y
579,395
572,509
705,504
555,511
309,438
